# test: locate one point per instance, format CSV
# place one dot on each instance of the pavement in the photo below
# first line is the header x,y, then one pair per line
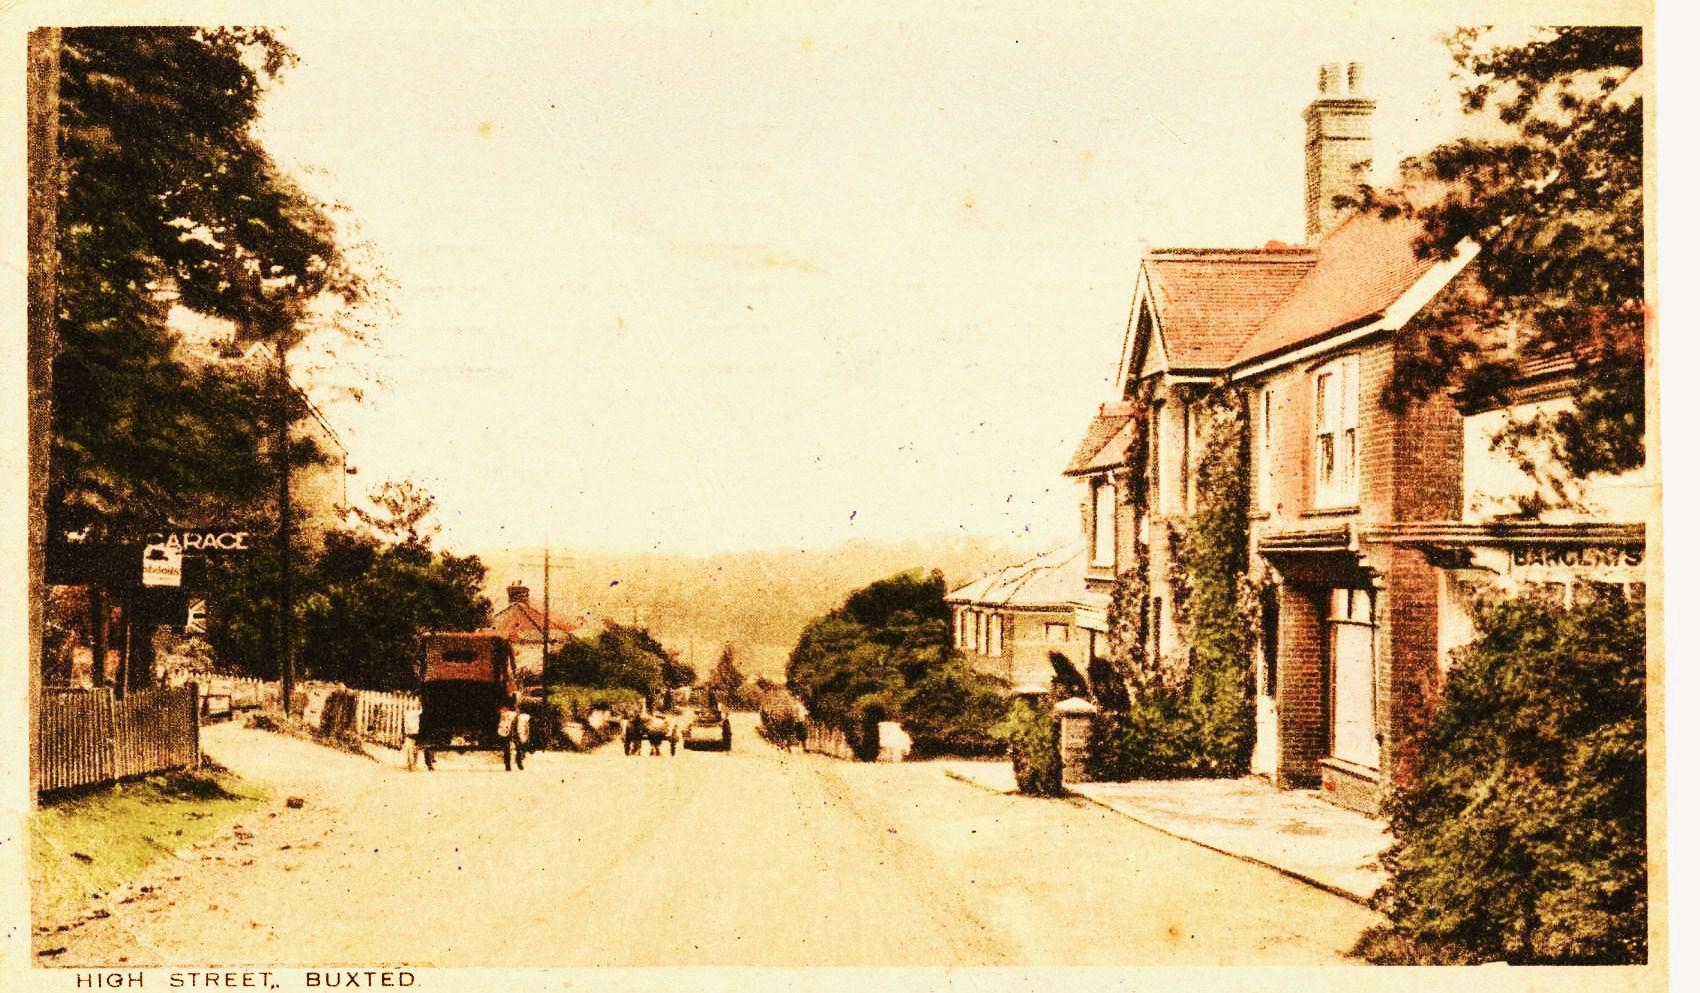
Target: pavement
x,y
754,858
1295,832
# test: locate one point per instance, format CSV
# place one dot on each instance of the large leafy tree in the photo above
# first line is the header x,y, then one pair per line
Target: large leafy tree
x,y
167,199
1556,201
886,654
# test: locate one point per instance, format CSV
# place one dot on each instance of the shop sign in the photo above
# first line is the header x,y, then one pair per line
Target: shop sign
x,y
1576,557
162,565
201,541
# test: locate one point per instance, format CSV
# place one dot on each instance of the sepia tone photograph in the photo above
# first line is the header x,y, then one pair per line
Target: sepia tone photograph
x,y
994,497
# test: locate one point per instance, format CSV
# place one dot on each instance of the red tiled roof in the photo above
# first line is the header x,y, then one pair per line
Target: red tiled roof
x,y
1106,441
523,622
1210,300
1362,267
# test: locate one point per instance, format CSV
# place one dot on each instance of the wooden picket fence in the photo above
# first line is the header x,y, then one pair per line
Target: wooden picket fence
x,y
90,736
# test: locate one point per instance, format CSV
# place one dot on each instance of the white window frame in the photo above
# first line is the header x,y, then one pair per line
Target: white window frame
x,y
1104,532
1334,434
1266,450
994,636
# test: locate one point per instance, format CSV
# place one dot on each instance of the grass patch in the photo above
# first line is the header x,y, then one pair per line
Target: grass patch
x,y
90,844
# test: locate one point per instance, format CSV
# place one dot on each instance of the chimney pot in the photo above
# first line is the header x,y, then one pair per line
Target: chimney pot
x,y
517,593
1337,145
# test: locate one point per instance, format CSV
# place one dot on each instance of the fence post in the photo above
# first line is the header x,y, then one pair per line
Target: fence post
x,y
195,722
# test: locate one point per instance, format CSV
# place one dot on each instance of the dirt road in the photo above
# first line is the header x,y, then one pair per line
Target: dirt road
x,y
753,858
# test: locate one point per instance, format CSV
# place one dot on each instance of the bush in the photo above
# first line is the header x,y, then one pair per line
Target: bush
x,y
1154,739
1031,733
1523,837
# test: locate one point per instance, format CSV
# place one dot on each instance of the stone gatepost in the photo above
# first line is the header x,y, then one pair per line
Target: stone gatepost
x,y
1074,727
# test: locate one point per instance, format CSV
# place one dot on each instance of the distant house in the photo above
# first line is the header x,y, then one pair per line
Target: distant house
x,y
522,624
1011,621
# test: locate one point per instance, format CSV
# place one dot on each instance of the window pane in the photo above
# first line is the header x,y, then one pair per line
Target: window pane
x,y
1103,524
1324,406
1325,459
1349,392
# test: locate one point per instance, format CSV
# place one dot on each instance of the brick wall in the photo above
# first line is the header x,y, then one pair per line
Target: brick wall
x,y
1300,691
1408,682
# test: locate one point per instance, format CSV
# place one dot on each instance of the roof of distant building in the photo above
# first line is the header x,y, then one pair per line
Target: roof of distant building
x,y
524,623
1049,580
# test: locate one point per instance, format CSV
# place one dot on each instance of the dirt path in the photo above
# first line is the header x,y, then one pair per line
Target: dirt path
x,y
757,857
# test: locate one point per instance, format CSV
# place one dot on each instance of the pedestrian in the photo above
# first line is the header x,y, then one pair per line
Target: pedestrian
x,y
672,738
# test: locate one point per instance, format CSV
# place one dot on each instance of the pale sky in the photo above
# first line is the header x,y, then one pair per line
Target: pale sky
x,y
722,283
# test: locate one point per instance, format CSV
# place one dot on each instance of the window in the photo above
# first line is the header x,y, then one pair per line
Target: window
x,y
1056,632
1336,417
1103,523
1266,450
994,636
979,632
1186,458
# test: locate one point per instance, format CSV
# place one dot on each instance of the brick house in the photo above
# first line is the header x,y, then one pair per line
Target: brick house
x,y
522,624
1010,622
1371,528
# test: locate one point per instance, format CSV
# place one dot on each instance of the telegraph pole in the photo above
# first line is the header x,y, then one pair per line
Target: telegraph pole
x,y
43,116
285,611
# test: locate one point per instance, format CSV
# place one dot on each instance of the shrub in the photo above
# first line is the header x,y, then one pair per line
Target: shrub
x,y
1523,836
1031,732
1153,739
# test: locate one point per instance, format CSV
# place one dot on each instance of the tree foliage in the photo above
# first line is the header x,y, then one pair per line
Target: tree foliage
x,y
361,606
885,654
618,657
726,681
1524,835
167,200
1557,204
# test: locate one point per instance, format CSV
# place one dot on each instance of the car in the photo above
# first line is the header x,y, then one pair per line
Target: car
x,y
709,732
469,699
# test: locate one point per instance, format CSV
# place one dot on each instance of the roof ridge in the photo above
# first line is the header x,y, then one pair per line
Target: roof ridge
x,y
1280,253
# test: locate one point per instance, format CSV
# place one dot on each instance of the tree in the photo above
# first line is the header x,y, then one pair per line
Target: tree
x,y
403,513
1524,835
1557,204
167,200
885,654
725,680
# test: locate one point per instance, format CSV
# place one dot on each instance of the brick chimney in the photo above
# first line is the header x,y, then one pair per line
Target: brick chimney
x,y
517,593
1337,145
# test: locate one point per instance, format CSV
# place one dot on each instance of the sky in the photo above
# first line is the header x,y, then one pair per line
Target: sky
x,y
710,284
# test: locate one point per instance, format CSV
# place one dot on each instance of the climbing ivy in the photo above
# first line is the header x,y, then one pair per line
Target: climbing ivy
x,y
1200,720
1217,554
1131,593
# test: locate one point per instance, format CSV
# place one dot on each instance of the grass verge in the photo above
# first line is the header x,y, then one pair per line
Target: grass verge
x,y
89,844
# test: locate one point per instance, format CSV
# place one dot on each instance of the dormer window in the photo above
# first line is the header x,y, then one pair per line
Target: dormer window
x,y
1335,458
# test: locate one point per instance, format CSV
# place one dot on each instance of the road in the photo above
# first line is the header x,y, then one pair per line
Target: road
x,y
753,858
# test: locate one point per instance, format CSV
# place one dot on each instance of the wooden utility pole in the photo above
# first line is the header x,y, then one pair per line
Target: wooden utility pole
x,y
285,606
43,125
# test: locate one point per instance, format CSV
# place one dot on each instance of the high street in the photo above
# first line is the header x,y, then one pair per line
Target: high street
x,y
757,857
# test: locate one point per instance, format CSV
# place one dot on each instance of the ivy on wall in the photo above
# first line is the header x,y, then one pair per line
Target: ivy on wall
x,y
1197,718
